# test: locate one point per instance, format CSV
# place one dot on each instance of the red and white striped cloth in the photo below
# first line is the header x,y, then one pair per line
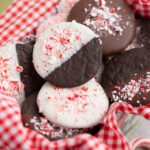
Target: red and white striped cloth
x,y
20,19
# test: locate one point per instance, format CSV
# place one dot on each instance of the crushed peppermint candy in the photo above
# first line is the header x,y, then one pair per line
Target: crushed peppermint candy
x,y
103,18
12,86
19,69
43,126
78,97
10,70
134,87
62,40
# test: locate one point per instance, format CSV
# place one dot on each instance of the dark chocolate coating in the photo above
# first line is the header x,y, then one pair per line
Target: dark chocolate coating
x,y
29,77
80,68
111,44
143,36
118,72
30,112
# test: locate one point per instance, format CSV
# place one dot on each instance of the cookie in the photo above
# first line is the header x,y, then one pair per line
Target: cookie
x,y
112,20
31,80
126,77
34,120
58,18
79,107
67,54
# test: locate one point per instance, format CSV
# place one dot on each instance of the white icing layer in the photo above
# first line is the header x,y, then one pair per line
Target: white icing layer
x,y
10,72
79,107
58,18
58,44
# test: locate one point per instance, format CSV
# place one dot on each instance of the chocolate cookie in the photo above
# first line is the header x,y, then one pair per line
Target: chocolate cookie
x,y
67,54
34,120
112,20
32,81
127,77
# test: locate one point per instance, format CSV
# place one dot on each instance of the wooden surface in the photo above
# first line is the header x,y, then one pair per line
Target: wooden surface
x,y
4,5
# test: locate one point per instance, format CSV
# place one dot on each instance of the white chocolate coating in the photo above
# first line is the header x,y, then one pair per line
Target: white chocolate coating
x,y
10,72
58,18
58,44
78,107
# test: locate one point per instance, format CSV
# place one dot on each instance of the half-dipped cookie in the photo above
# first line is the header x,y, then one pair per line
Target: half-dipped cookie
x,y
67,54
79,107
126,77
112,20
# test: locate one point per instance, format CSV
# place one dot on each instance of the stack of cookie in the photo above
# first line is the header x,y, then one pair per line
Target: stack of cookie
x,y
67,56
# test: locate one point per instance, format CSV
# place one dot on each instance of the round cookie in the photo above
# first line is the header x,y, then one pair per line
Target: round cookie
x,y
126,77
67,54
32,119
58,18
79,107
112,20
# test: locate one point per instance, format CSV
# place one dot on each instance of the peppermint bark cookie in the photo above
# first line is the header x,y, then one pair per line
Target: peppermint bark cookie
x,y
34,120
67,54
79,107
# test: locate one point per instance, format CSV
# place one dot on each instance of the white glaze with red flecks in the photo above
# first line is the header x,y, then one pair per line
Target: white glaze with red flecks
x,y
10,72
58,44
58,18
78,107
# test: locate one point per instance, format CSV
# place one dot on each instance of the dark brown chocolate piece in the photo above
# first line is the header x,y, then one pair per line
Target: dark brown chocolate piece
x,y
32,119
80,68
116,37
143,36
29,77
127,77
